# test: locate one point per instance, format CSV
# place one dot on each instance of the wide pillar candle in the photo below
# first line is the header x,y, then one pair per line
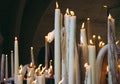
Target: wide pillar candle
x,y
57,45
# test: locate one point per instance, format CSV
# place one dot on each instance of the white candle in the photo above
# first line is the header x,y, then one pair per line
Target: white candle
x,y
87,74
40,79
29,80
83,38
67,30
72,40
32,55
16,57
2,67
92,62
6,73
12,72
57,44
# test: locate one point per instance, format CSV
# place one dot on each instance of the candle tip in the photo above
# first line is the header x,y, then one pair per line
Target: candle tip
x,y
83,25
109,17
31,48
72,13
88,19
57,4
15,38
94,36
6,55
67,11
11,51
105,6
91,41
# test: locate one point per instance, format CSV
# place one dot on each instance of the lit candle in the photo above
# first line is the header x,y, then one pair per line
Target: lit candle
x,y
2,67
89,33
29,81
57,44
92,61
16,57
32,55
83,38
12,69
66,57
94,39
6,73
72,40
87,74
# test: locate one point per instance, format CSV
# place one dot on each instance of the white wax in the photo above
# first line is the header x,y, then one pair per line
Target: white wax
x,y
57,46
6,73
72,40
29,81
16,57
92,62
40,79
2,67
31,71
18,79
12,70
83,37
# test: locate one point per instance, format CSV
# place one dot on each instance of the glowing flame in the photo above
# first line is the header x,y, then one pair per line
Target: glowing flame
x,y
29,74
86,65
94,36
20,69
88,19
99,38
91,41
107,69
117,42
105,6
67,11
15,38
57,5
60,82
83,25
119,66
72,13
31,64
31,48
109,17
40,65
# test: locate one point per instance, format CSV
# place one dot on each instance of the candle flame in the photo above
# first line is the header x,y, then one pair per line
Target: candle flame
x,y
119,66
15,38
20,69
31,64
83,25
88,19
60,82
72,13
67,11
29,74
107,69
99,38
11,51
31,48
47,38
86,65
105,6
39,67
4,79
117,42
94,36
109,17
57,5
91,42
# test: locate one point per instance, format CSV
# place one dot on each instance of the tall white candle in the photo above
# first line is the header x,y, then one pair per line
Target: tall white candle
x,y
2,67
92,61
72,40
12,70
29,80
67,30
6,71
83,38
40,79
16,57
32,55
57,44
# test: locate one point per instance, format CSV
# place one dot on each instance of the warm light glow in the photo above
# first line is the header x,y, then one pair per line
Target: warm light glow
x,y
117,42
109,17
31,48
119,66
39,67
83,25
72,13
29,74
20,70
46,38
94,36
57,5
105,6
99,38
91,42
31,64
60,82
86,65
107,69
11,51
67,11
88,19
15,38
